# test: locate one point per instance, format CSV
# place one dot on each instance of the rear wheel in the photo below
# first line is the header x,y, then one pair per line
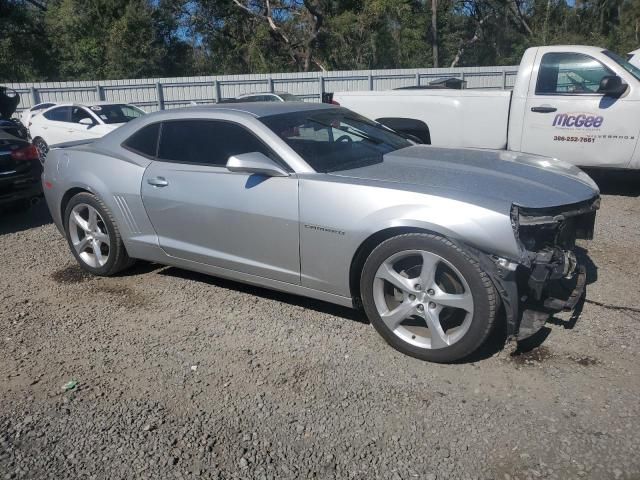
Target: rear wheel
x,y
42,148
94,237
427,297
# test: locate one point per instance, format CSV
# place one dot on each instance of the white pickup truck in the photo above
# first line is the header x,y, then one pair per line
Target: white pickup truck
x,y
575,103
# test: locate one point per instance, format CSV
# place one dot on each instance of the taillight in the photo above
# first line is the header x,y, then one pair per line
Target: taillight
x,y
333,102
29,152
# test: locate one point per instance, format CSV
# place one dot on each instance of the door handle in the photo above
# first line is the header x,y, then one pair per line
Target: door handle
x,y
158,182
543,109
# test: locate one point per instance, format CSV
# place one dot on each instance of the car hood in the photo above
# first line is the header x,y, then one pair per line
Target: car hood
x,y
502,178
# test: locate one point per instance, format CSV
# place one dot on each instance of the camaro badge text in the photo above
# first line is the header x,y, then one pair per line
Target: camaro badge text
x,y
318,228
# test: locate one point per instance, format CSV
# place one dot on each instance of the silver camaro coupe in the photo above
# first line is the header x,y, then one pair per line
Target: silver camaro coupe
x,y
437,245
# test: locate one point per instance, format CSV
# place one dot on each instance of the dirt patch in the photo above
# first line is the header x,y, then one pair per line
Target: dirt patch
x,y
585,361
122,295
533,356
70,274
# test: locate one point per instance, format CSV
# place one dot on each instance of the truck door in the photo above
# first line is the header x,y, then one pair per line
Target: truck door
x,y
566,118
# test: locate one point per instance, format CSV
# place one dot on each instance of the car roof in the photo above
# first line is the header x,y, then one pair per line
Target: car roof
x,y
255,94
88,104
260,109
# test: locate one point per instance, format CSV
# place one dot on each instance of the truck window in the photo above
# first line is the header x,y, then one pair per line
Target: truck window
x,y
569,74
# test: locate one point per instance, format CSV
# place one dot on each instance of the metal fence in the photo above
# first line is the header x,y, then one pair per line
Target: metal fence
x,y
162,93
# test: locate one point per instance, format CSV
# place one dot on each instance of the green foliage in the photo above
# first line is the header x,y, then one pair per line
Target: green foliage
x,y
89,39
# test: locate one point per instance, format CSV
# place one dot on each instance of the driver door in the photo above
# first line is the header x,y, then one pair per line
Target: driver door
x,y
81,131
204,213
566,118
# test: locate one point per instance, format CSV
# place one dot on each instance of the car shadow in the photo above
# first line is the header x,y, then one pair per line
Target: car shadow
x,y
625,183
290,299
14,221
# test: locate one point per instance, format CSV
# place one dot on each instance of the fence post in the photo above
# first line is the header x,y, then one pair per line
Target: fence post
x,y
504,79
100,92
216,90
270,84
321,87
462,78
35,97
160,96
417,79
370,78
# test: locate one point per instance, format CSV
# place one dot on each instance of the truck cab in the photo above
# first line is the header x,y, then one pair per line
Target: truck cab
x,y
576,103
579,104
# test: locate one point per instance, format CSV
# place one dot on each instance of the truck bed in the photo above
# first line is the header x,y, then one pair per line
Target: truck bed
x,y
455,118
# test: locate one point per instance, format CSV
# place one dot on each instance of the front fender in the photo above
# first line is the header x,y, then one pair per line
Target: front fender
x,y
337,218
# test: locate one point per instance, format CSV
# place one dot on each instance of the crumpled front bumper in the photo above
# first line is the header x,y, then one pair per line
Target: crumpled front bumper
x,y
531,294
535,313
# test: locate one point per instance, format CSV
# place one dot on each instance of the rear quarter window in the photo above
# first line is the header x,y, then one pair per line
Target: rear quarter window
x,y
145,141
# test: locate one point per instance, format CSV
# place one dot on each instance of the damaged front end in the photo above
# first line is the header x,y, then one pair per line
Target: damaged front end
x,y
549,277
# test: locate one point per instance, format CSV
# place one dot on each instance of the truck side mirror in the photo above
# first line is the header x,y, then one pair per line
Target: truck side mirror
x,y
612,86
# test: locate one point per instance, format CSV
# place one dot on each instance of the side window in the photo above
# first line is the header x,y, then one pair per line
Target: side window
x,y
207,142
144,141
62,114
79,113
569,74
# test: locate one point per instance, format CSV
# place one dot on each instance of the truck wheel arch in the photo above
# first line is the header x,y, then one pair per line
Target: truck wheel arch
x,y
410,126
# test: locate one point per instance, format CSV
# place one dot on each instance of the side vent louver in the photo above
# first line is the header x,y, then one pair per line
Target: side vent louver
x,y
125,211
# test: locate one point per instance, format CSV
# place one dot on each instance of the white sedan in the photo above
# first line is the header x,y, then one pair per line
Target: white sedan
x,y
25,116
69,122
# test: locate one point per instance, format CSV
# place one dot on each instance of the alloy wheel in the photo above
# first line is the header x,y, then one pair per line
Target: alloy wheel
x,y
42,149
89,235
423,299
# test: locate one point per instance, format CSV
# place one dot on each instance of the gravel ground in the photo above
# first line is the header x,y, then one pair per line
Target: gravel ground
x,y
180,375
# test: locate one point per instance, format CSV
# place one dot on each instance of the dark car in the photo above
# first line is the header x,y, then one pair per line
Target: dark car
x,y
20,169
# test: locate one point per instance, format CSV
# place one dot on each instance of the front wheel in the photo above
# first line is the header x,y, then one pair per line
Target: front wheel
x,y
93,236
427,297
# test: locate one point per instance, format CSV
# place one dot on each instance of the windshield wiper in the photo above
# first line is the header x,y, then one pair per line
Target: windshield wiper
x,y
349,130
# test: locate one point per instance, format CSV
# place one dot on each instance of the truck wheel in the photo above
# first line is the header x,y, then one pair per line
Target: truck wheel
x,y
427,297
93,236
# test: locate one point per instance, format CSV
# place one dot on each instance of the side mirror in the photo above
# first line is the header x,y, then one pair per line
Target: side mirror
x,y
255,162
86,121
612,86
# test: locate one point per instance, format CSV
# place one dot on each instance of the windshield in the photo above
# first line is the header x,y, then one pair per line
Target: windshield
x,y
116,113
288,97
335,139
632,69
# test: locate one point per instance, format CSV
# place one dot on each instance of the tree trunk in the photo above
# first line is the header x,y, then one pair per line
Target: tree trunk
x,y
546,23
434,31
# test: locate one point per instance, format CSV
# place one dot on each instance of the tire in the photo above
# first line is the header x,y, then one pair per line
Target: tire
x,y
112,256
42,148
457,297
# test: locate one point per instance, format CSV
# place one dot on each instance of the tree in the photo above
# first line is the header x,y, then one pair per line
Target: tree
x,y
24,46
